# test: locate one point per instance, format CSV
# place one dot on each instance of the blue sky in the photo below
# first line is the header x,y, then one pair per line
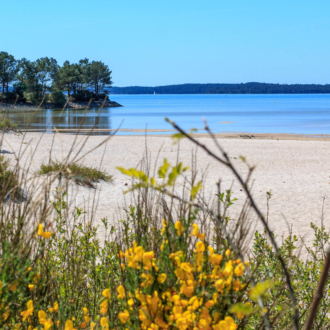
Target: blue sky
x,y
149,43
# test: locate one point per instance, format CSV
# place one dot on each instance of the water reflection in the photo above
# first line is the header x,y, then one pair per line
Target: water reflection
x,y
68,119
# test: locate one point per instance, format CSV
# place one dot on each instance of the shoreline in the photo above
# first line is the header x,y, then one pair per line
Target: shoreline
x,y
169,132
26,107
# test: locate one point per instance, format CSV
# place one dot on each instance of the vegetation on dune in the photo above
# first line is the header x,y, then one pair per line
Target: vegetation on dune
x,y
6,125
81,174
8,179
26,81
172,262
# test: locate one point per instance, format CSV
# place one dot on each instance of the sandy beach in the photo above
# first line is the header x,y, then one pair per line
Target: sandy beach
x,y
296,170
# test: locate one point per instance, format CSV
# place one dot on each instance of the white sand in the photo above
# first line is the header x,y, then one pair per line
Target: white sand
x,y
297,172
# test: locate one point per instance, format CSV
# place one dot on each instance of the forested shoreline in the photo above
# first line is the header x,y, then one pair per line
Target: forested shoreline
x,y
247,88
31,82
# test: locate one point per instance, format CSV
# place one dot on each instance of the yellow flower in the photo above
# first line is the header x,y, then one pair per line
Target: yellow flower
x,y
85,310
186,267
179,227
209,304
227,253
69,325
179,274
130,302
121,291
53,309
195,230
237,285
48,324
200,247
42,316
187,290
164,226
201,236
194,303
219,285
239,270
228,268
104,304
104,323
227,324
215,259
196,233
161,278
106,293
123,316
148,255
42,233
93,324
31,287
29,310
240,315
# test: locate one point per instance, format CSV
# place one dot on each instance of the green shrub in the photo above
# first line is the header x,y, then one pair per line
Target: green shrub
x,y
58,98
30,97
84,96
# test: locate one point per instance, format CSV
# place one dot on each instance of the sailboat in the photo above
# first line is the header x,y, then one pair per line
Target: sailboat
x,y
154,93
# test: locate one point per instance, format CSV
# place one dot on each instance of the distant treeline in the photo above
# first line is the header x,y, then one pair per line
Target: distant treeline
x,y
248,88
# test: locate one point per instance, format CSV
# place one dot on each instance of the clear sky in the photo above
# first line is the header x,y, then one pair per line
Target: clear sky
x,y
149,43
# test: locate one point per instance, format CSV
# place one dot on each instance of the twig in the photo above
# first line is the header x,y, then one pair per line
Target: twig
x,y
319,292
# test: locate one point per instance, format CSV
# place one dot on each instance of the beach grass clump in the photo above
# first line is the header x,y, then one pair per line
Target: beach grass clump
x,y
81,174
8,178
7,125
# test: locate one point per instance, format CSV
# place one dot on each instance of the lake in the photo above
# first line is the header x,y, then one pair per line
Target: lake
x,y
301,114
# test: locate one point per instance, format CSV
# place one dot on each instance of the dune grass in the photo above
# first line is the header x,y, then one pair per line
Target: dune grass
x,y
8,179
82,175
6,125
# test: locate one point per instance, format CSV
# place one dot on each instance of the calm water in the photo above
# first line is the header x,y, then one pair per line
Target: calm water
x,y
304,114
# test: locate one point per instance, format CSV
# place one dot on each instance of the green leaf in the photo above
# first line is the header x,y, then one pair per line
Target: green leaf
x,y
246,309
256,292
195,189
124,171
162,171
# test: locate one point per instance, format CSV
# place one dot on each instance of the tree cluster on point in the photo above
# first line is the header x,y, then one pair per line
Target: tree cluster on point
x,y
27,81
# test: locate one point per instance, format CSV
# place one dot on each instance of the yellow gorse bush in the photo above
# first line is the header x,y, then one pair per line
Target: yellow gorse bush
x,y
186,288
184,283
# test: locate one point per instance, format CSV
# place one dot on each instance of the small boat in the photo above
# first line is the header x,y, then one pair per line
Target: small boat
x,y
154,93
